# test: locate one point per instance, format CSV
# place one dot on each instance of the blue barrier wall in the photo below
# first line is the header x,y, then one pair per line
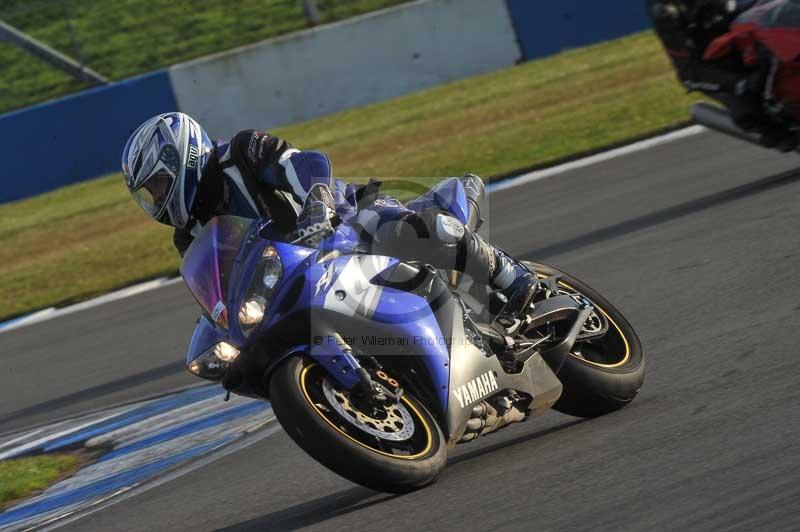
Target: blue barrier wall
x,y
330,68
77,137
547,27
80,137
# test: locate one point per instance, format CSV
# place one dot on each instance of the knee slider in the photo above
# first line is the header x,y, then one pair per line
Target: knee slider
x,y
449,231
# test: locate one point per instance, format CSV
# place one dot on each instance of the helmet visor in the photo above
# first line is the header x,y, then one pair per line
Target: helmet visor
x,y
153,194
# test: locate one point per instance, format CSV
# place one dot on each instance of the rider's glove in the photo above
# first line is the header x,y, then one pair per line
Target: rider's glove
x,y
318,217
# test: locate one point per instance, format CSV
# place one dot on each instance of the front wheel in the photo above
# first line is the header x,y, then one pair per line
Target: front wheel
x,y
605,369
397,448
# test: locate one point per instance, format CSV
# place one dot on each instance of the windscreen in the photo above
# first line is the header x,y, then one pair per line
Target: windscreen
x,y
208,263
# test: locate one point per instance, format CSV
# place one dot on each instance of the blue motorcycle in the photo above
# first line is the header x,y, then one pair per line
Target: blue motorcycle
x,y
375,367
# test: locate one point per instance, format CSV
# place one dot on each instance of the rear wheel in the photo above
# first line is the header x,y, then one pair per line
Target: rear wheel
x,y
605,369
396,448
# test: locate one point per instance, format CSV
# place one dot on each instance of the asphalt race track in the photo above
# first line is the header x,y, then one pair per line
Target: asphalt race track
x,y
696,241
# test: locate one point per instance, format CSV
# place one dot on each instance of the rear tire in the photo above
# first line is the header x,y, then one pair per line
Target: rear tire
x,y
604,382
297,392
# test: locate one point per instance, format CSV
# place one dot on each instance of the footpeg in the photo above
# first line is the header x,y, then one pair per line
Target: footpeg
x,y
522,296
497,303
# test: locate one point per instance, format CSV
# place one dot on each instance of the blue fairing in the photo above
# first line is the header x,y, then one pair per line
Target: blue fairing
x,y
313,283
448,195
412,317
292,258
407,315
204,337
345,240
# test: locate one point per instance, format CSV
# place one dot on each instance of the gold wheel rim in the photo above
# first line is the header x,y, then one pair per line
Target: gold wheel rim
x,y
423,422
625,358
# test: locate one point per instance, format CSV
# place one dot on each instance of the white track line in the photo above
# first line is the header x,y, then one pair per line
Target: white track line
x,y
127,493
50,313
595,159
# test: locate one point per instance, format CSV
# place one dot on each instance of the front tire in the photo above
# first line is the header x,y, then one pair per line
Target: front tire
x,y
410,455
600,375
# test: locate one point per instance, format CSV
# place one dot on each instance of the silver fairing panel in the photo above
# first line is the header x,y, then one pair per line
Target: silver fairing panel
x,y
474,376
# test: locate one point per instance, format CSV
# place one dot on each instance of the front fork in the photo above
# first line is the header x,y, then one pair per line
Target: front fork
x,y
336,356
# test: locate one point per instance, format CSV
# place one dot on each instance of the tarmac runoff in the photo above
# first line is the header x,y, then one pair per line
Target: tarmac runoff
x,y
503,184
142,445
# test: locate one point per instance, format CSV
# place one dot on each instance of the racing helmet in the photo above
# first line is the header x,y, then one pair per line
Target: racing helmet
x,y
705,15
163,163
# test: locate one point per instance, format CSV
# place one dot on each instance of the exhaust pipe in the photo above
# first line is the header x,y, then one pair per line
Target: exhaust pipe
x,y
718,119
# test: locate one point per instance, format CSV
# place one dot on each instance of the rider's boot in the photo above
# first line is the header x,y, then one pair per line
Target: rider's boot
x,y
487,264
515,282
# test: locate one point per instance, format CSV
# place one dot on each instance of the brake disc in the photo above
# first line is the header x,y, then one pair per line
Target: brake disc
x,y
395,423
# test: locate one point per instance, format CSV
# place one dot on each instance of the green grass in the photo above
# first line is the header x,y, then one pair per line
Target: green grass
x,y
120,38
89,238
23,477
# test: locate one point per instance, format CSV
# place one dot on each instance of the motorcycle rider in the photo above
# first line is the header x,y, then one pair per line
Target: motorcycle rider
x,y
179,177
686,29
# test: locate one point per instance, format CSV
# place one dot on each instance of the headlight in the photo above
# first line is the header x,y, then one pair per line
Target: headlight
x,y
213,362
272,269
225,352
252,311
266,277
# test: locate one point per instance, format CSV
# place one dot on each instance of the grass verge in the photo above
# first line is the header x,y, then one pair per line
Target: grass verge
x,y
89,238
22,477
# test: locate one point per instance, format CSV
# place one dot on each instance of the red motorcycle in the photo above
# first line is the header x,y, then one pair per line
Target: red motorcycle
x,y
774,25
